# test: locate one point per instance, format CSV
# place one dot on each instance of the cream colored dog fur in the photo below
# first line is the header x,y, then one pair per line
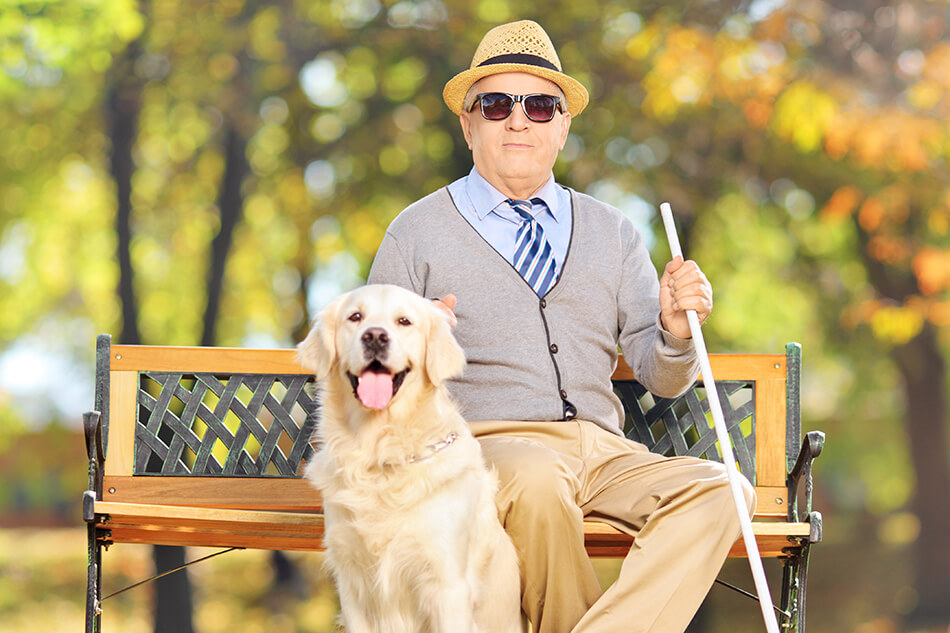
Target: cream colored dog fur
x,y
412,534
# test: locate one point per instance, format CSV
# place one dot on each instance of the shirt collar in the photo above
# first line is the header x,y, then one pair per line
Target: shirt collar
x,y
485,197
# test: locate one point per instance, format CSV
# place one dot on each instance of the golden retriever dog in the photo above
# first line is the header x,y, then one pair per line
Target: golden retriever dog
x,y
412,534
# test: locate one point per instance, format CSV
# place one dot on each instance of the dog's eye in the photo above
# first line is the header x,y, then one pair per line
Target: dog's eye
x,y
356,317
403,321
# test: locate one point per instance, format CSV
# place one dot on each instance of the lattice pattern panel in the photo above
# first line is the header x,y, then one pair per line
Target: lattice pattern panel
x,y
236,425
684,426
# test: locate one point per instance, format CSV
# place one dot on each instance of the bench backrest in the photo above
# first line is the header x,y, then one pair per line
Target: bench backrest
x,y
183,424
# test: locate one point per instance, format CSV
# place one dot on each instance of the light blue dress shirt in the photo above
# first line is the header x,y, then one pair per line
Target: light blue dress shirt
x,y
488,211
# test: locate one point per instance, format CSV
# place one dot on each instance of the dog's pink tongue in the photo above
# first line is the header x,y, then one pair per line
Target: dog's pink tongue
x,y
375,390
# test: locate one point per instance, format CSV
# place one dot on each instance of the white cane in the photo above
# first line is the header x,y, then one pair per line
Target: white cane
x,y
719,423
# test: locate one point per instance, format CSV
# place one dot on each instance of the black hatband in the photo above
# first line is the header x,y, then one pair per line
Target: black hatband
x,y
520,58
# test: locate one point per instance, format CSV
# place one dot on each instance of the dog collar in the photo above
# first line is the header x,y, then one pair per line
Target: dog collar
x,y
435,448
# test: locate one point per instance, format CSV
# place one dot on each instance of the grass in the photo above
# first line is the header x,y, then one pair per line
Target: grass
x,y
43,579
853,588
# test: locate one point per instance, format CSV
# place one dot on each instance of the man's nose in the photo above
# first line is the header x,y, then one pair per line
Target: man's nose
x,y
517,120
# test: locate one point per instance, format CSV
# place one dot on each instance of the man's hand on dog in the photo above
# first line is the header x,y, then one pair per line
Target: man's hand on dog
x,y
447,305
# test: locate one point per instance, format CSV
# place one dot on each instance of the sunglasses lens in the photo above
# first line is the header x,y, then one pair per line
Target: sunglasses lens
x,y
540,107
496,106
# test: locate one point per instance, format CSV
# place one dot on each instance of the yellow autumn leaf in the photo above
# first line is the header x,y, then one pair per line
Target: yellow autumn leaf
x,y
803,114
896,324
925,95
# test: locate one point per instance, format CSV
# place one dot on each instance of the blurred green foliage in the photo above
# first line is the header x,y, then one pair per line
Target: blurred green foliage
x,y
803,146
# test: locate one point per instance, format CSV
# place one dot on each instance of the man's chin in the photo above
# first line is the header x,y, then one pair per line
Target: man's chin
x,y
521,170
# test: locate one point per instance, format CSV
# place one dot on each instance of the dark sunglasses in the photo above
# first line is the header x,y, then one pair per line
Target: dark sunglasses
x,y
496,106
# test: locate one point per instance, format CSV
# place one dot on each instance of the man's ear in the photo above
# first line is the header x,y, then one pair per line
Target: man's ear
x,y
444,356
317,352
466,124
565,128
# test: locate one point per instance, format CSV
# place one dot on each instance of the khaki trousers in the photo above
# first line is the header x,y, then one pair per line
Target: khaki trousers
x,y
679,510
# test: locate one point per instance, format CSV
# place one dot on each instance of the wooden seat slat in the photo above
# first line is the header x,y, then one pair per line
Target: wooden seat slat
x,y
199,526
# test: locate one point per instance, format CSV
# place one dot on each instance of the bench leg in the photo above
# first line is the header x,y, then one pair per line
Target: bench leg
x,y
93,582
92,427
794,582
94,545
788,593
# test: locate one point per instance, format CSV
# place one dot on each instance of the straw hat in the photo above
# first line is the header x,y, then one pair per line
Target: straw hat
x,y
517,47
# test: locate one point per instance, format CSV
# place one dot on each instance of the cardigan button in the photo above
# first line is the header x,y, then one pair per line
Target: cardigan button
x,y
553,348
544,303
563,395
570,411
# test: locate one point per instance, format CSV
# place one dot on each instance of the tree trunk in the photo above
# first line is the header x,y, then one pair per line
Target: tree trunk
x,y
924,375
123,103
173,611
230,207
173,608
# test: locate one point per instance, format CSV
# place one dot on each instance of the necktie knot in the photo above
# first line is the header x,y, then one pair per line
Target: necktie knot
x,y
523,207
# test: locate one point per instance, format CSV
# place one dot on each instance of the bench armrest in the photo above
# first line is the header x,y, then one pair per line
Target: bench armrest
x,y
812,444
92,426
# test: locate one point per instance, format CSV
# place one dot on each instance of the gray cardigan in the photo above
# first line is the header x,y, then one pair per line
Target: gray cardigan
x,y
550,358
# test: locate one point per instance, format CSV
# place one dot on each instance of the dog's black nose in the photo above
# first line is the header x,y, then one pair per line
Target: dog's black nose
x,y
375,339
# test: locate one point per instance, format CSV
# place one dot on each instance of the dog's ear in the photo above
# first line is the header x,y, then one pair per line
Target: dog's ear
x,y
317,352
444,356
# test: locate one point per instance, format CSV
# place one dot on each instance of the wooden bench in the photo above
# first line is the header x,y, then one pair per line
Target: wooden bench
x,y
204,447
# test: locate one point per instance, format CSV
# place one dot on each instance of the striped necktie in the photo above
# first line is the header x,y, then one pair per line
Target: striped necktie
x,y
533,258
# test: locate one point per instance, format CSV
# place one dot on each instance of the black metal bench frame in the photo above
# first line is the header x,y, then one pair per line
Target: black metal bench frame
x,y
207,417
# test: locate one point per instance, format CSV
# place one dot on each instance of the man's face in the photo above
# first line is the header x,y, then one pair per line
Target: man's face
x,y
516,154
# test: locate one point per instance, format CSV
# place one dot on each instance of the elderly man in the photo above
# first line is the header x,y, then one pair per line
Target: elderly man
x,y
549,282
